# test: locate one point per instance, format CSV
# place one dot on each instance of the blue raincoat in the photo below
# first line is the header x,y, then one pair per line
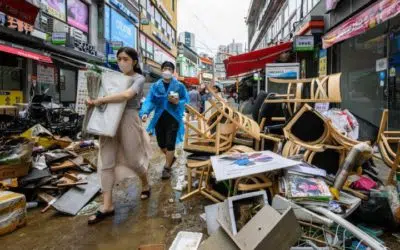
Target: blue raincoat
x,y
157,100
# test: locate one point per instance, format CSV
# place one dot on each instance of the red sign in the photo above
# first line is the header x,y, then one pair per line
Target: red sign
x,y
24,53
369,18
20,9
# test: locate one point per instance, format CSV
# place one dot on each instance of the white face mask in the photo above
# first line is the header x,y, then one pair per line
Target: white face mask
x,y
166,74
125,67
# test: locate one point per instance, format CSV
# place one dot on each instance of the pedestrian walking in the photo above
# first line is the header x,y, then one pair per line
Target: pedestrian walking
x,y
195,98
131,144
167,97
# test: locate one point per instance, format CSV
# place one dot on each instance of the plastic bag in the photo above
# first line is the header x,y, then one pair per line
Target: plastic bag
x,y
344,121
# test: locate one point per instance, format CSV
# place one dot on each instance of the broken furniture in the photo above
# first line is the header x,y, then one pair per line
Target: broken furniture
x,y
387,140
267,229
324,89
202,167
253,183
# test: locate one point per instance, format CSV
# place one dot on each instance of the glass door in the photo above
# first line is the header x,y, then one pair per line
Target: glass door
x,y
393,89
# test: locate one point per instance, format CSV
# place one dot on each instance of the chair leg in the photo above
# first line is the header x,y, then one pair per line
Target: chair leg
x,y
190,179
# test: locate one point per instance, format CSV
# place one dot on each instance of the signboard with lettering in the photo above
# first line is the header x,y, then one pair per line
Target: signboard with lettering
x,y
45,74
15,24
123,30
281,70
22,10
55,8
322,63
59,38
303,43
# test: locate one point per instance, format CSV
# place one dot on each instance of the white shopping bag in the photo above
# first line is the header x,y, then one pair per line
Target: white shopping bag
x,y
105,119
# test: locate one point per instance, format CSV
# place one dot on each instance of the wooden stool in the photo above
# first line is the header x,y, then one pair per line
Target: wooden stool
x,y
203,168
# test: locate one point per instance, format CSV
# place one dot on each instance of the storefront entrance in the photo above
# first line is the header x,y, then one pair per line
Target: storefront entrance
x,y
393,90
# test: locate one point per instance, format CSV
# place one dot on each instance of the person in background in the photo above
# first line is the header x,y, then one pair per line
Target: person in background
x,y
167,98
195,98
131,144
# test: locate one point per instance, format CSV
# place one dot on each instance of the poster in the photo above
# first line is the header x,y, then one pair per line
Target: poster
x,y
81,93
45,75
78,15
233,166
281,70
323,62
55,8
123,30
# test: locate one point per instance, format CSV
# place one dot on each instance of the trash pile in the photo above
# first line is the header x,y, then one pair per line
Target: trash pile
x,y
332,197
38,167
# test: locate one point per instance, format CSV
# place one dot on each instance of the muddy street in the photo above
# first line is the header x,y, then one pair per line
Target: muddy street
x,y
136,222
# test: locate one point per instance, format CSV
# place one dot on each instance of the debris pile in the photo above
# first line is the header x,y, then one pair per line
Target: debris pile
x,y
41,168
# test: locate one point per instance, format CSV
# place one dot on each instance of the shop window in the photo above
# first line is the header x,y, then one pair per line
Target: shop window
x,y
361,88
285,14
158,18
292,6
150,9
309,6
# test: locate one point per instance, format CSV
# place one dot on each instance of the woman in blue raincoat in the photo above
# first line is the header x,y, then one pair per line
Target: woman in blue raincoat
x,y
167,97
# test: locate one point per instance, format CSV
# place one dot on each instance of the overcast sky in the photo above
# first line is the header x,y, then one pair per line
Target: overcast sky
x,y
214,22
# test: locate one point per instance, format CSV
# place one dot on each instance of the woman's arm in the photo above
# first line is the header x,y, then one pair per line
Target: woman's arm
x,y
116,98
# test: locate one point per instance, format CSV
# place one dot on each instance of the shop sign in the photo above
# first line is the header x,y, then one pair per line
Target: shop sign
x,y
59,38
304,43
10,97
365,20
124,10
15,24
381,64
85,47
281,70
54,8
114,46
323,59
22,10
122,30
45,75
207,76
331,4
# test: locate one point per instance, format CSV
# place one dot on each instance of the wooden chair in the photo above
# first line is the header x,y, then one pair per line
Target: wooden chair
x,y
253,183
203,169
212,135
321,89
387,141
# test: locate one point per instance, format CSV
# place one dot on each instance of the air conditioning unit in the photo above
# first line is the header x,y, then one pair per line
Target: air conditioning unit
x,y
60,26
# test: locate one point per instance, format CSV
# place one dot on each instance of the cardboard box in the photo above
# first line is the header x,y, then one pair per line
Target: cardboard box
x,y
268,229
13,171
12,211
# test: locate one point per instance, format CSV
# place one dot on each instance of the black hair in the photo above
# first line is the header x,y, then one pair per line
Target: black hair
x,y
132,53
168,64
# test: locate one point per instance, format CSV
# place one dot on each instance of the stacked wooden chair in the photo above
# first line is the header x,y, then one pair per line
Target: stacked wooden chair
x,y
312,90
323,145
388,141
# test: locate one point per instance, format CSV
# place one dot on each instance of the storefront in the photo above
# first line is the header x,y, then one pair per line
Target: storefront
x,y
120,29
366,49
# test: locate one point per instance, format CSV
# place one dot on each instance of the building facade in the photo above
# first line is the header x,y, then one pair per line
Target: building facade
x,y
207,69
46,53
187,61
189,39
224,51
158,34
369,59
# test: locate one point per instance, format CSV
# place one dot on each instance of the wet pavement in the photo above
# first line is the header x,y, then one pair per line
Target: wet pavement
x,y
136,222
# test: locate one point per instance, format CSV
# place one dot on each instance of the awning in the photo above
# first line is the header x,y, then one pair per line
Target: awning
x,y
25,53
189,80
205,60
369,18
254,60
